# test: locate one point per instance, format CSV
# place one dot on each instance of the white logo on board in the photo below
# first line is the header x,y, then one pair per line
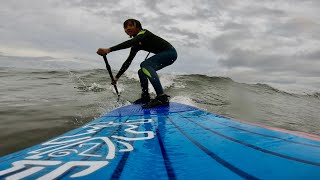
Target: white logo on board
x,y
81,144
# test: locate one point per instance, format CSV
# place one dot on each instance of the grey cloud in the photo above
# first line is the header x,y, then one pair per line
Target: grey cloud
x,y
262,11
152,5
245,58
294,27
165,24
271,63
226,42
188,34
312,56
234,26
90,4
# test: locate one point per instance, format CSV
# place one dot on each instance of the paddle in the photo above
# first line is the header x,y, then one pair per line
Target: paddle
x,y
111,76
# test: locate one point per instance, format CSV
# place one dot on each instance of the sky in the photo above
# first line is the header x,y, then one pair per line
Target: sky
x,y
252,41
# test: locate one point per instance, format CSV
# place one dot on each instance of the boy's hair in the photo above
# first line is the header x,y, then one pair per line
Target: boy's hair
x,y
133,21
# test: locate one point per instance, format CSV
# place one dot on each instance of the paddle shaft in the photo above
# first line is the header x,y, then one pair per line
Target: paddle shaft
x,y
111,76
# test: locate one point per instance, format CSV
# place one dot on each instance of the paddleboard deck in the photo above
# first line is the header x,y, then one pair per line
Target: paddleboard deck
x,y
172,142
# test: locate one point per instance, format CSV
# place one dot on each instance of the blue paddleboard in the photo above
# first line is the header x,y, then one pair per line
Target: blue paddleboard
x,y
173,142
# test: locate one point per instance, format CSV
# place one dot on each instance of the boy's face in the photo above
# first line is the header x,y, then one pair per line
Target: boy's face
x,y
131,29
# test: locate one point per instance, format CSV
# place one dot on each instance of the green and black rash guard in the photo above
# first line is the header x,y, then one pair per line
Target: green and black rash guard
x,y
144,40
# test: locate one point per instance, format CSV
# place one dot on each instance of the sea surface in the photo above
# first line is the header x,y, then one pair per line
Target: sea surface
x,y
36,105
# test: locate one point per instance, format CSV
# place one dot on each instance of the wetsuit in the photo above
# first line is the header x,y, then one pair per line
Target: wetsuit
x,y
165,55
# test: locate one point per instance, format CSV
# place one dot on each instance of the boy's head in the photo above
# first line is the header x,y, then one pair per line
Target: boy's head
x,y
132,27
135,22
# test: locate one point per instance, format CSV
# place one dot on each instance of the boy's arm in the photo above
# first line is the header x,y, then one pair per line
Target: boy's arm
x,y
127,63
127,44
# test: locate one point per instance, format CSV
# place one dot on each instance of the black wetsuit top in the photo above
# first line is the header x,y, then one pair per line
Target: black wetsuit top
x,y
144,40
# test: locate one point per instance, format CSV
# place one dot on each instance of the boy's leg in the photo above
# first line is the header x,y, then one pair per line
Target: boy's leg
x,y
155,63
145,97
143,82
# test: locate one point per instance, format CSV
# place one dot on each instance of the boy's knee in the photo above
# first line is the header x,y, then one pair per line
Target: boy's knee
x,y
143,64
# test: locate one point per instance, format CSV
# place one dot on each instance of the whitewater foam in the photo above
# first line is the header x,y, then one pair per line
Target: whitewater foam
x,y
167,80
184,100
95,87
132,75
120,88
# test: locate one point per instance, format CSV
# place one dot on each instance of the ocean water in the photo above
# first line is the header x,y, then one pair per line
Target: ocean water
x,y
36,105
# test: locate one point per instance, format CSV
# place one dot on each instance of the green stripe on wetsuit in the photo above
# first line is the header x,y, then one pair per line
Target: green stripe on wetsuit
x,y
146,72
141,32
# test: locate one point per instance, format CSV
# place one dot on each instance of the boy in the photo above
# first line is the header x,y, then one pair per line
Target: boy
x,y
165,55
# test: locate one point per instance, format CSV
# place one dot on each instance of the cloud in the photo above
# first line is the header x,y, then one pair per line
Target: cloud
x,y
251,41
251,59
